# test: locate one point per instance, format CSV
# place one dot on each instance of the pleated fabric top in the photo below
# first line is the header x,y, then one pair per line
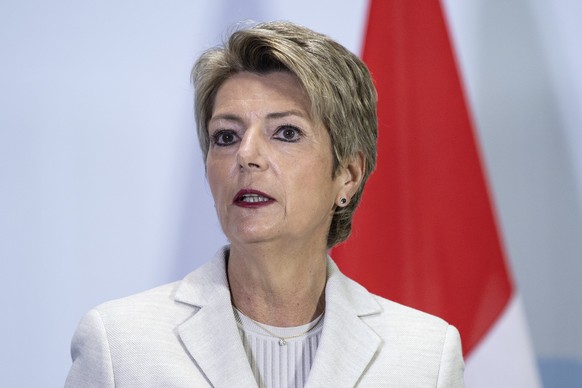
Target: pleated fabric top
x,y
276,363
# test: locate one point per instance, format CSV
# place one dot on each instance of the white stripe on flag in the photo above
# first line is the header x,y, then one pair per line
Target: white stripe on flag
x,y
504,358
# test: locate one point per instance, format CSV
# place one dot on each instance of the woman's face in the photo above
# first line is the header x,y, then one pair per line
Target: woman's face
x,y
270,163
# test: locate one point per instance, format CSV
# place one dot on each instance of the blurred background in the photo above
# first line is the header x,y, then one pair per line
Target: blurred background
x,y
102,186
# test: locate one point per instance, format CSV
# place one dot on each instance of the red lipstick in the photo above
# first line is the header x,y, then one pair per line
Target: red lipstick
x,y
250,198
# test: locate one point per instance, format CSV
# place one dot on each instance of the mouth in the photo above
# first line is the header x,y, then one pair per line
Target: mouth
x,y
251,198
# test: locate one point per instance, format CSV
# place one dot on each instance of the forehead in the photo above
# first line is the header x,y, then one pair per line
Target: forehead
x,y
254,90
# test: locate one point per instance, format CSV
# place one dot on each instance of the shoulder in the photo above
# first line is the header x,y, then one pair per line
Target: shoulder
x,y
411,330
416,348
135,341
138,322
142,302
155,305
417,343
111,337
170,302
395,316
386,317
151,317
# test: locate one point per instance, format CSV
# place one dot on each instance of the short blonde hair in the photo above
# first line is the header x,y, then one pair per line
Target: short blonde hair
x,y
338,84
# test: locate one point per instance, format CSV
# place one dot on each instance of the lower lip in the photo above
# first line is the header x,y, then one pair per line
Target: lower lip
x,y
251,205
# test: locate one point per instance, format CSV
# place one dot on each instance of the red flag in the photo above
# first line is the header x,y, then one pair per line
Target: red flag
x,y
425,234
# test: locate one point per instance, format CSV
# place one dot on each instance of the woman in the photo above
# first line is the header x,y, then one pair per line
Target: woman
x,y
287,124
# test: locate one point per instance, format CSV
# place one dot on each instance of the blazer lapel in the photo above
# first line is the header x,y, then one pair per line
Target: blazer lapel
x,y
347,344
211,335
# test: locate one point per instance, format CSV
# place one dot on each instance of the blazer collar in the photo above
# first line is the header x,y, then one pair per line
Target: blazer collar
x,y
346,348
347,344
211,335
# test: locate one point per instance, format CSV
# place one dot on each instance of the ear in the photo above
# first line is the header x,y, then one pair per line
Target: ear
x,y
350,175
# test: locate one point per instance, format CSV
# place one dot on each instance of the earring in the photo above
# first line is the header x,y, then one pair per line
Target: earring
x,y
343,200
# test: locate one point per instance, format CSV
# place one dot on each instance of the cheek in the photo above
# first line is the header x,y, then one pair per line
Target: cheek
x,y
216,179
312,182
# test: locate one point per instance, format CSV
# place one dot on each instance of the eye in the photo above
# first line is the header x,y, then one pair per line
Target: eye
x,y
224,137
288,133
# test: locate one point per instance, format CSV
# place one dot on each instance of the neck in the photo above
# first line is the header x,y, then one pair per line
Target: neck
x,y
277,289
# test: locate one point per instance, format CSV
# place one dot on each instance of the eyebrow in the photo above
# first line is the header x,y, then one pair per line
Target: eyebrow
x,y
292,112
273,115
226,116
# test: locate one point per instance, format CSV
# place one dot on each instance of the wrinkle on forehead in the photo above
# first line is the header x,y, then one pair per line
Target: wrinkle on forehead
x,y
270,87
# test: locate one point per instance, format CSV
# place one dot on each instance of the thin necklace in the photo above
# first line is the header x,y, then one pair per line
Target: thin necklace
x,y
282,340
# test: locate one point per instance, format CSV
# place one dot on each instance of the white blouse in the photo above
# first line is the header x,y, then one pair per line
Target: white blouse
x,y
280,357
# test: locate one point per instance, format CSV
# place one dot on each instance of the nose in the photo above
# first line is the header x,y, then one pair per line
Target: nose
x,y
251,151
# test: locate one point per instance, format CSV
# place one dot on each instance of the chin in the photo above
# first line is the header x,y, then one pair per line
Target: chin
x,y
250,236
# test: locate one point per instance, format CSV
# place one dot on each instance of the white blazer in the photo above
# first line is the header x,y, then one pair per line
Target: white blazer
x,y
184,334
